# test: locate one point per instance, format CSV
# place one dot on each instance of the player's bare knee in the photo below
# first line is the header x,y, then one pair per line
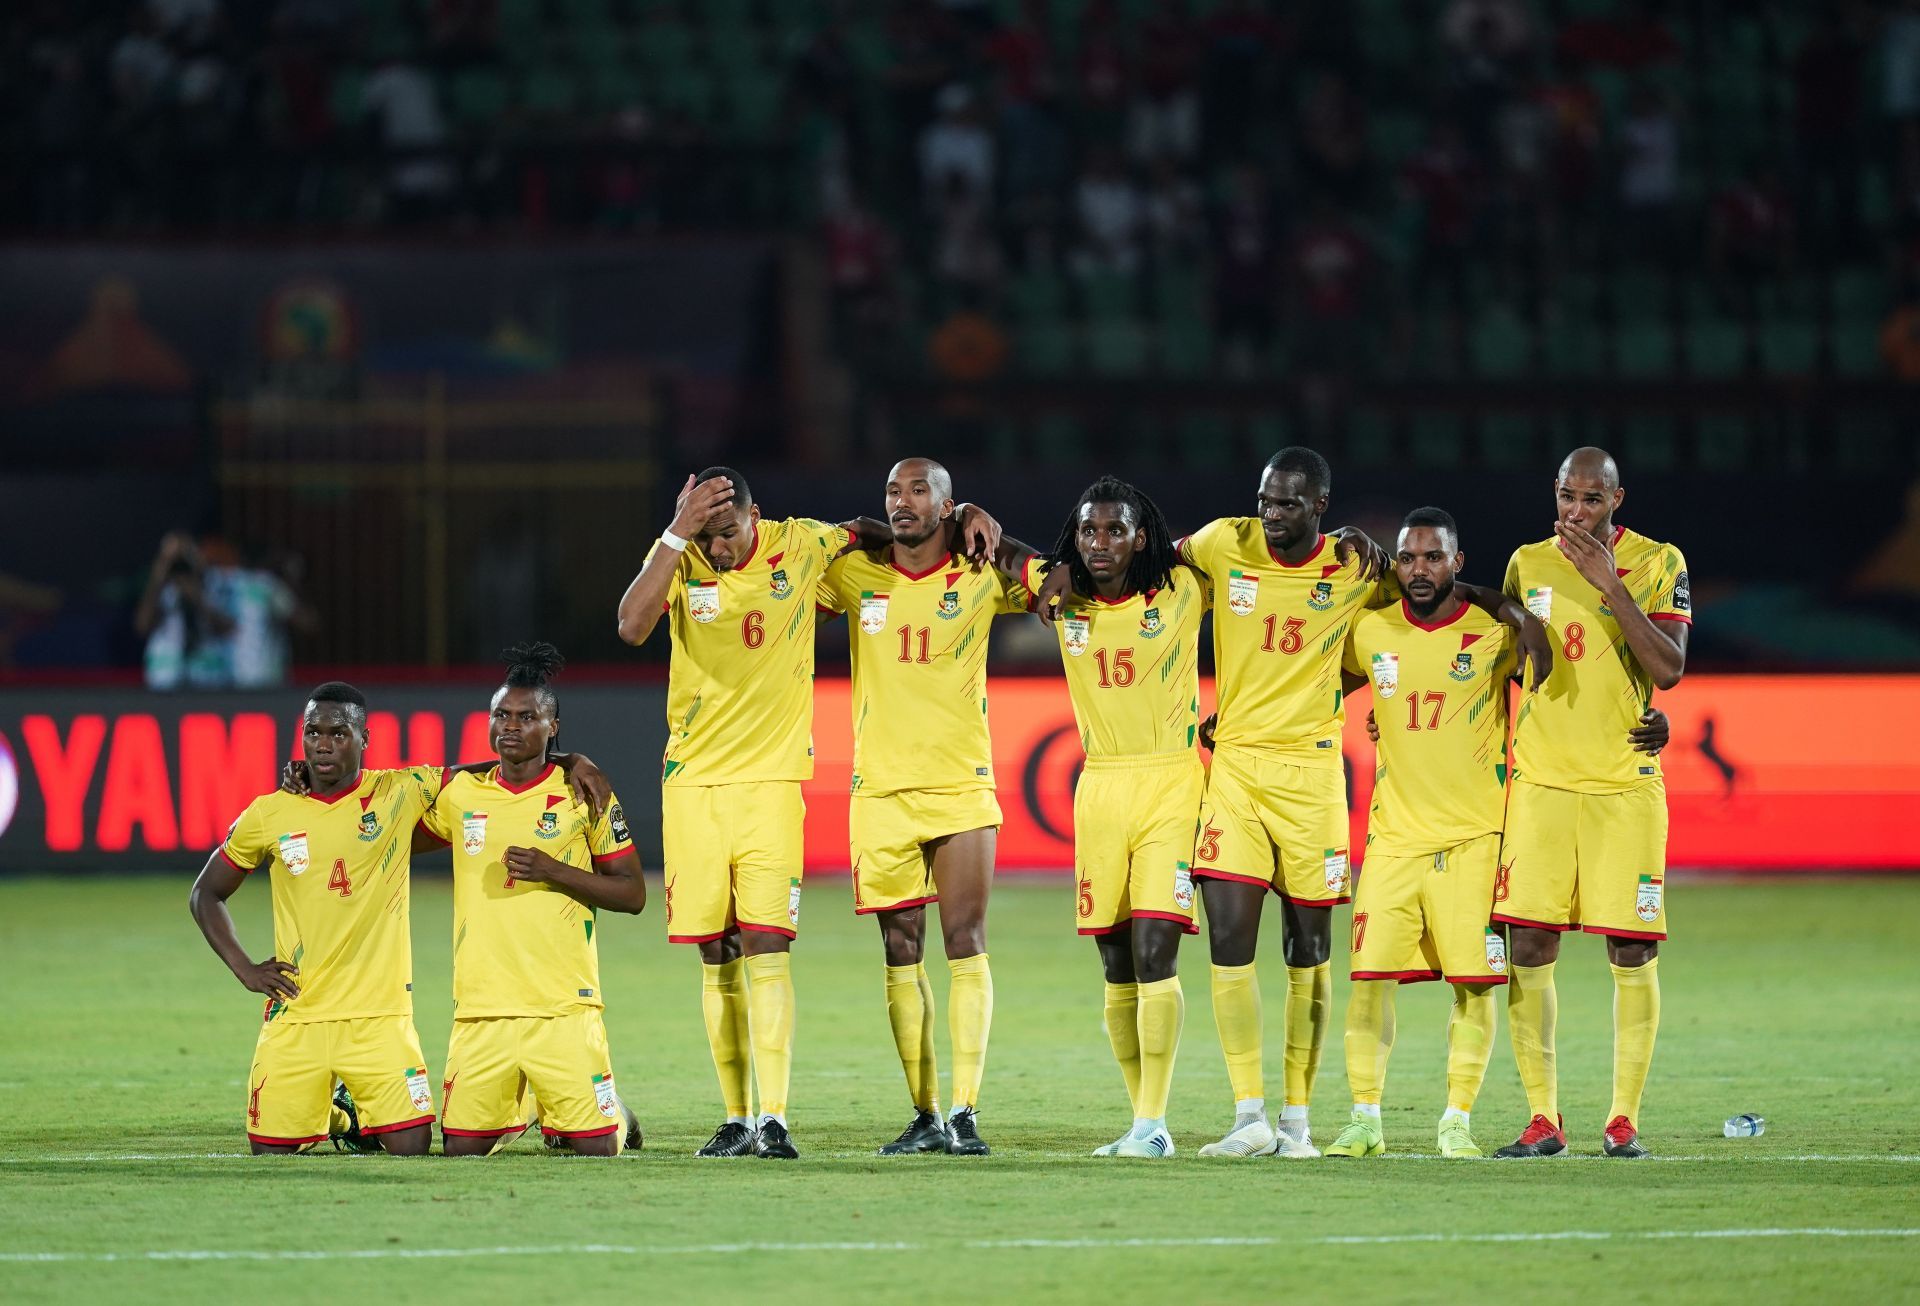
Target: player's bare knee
x,y
1156,951
720,951
417,1141
1534,947
964,938
902,935
1116,956
1632,953
604,1145
462,1145
758,943
272,1149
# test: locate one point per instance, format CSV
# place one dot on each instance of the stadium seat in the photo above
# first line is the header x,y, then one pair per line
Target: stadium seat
x,y
1437,439
1501,343
1717,346
1037,294
1045,347
522,28
1644,348
1722,442
1186,346
1206,440
1059,438
1116,346
1370,437
1509,440
478,97
754,102
1789,347
1650,441
1178,290
1107,293
664,45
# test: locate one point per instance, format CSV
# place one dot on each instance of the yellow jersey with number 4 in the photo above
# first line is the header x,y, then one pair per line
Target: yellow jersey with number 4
x,y
1440,702
1279,630
740,687
1133,665
341,892
1572,732
521,947
919,646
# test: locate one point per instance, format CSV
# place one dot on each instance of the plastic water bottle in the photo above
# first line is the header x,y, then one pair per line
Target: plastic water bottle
x,y
1747,1126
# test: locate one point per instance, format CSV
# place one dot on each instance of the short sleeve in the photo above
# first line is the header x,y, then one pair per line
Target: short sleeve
x,y
438,818
1202,548
831,594
610,837
1350,655
1508,654
832,540
1033,573
1013,594
246,847
1511,585
1383,591
420,786
1674,599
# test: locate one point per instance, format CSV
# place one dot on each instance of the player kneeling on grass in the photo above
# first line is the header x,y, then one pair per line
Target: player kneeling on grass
x,y
339,985
1129,638
532,868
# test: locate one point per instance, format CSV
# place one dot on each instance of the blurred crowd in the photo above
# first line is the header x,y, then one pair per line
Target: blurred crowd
x,y
211,619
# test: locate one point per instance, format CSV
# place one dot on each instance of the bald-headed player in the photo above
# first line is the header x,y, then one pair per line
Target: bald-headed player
x,y
1586,830
738,592
923,820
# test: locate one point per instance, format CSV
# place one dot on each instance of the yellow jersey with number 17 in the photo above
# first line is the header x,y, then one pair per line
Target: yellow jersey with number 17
x,y
521,947
740,687
919,645
341,893
1133,665
1279,631
1572,732
1440,701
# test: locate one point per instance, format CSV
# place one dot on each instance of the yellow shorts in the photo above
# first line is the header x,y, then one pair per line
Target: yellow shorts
x,y
1593,862
1422,918
1275,823
378,1058
887,834
733,858
493,1063
1133,827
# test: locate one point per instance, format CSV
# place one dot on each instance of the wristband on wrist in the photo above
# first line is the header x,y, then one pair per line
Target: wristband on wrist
x,y
673,541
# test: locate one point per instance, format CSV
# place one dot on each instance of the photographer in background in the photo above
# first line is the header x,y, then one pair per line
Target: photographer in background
x,y
181,620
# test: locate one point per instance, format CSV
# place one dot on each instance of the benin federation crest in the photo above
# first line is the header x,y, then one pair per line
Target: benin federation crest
x,y
703,600
547,826
417,1091
949,605
873,612
293,851
1540,602
1183,886
1243,591
1646,901
1150,623
369,826
1386,673
1333,861
1075,632
1322,596
1496,953
1462,668
605,1100
473,832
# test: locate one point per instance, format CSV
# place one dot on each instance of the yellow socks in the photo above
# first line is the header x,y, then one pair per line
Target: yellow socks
x,y
1532,1008
723,1001
969,1017
1163,1009
1123,1032
1469,1043
910,1013
770,1006
1369,1038
1236,1015
1636,1019
1309,1007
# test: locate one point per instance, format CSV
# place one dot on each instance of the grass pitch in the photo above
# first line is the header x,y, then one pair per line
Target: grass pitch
x,y
126,1046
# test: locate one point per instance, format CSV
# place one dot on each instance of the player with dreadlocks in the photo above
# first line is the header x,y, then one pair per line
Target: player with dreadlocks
x,y
532,867
1129,632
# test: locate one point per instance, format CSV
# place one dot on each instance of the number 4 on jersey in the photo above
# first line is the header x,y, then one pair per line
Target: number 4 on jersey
x,y
338,881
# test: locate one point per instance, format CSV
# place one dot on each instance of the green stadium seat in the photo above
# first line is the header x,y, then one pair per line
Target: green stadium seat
x,y
1370,438
1500,343
754,105
1789,347
478,97
550,91
589,14
1178,290
1573,344
1037,294
522,27
1510,440
726,13
1270,433
1206,439
1856,347
1650,441
688,89
1723,442
1437,439
1716,346
1059,438
1395,135
1045,347
1107,293
1116,346
346,101
738,50
1186,346
615,86
664,45
1644,348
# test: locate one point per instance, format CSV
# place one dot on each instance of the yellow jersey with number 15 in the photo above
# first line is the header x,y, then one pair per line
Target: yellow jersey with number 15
x,y
341,890
919,645
1572,732
740,687
1279,631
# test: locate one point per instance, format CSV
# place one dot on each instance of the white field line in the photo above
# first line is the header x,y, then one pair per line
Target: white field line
x,y
1725,1158
981,1244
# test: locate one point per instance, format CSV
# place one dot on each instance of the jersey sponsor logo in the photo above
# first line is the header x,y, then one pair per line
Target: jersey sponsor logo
x,y
780,587
603,1095
1333,862
1646,901
473,832
548,826
949,605
1150,623
293,851
873,612
1540,602
617,821
1386,673
703,600
1682,594
1462,668
1076,631
369,826
1243,591
1322,596
1496,953
1183,886
417,1090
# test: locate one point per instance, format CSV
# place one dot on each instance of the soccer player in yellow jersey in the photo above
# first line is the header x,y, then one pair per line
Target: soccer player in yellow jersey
x,y
1439,669
1129,634
737,591
531,869
923,819
1274,818
339,985
1586,834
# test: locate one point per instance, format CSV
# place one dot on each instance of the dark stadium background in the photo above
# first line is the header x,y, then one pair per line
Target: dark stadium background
x,y
428,306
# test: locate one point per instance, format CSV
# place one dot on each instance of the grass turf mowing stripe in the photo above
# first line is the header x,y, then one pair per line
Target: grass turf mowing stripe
x,y
978,1244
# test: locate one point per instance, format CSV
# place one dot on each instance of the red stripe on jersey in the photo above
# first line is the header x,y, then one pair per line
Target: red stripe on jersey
x,y
1670,616
1498,919
244,870
1404,976
284,1142
1476,979
579,1133
1623,934
897,906
368,1132
451,1132
768,929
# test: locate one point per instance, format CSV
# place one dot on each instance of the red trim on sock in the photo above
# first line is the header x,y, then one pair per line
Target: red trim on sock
x,y
369,1132
898,906
1532,925
1624,934
284,1142
451,1132
579,1133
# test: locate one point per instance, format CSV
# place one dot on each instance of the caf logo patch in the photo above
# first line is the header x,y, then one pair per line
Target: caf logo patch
x,y
369,826
548,825
781,589
950,605
1322,597
1462,666
617,819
